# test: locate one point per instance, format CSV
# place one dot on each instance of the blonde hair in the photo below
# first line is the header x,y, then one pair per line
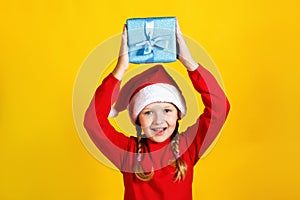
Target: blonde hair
x,y
181,167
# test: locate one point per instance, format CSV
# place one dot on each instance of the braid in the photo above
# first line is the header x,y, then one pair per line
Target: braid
x,y
181,167
139,144
139,172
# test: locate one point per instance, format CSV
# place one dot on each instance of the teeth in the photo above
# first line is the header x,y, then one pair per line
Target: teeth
x,y
159,129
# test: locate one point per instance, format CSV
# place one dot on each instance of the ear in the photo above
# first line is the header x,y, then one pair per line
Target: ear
x,y
137,122
178,114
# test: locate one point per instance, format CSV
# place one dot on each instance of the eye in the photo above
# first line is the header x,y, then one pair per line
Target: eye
x,y
168,110
148,112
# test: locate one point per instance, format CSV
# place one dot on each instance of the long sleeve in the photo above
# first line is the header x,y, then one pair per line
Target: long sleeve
x,y
200,136
110,142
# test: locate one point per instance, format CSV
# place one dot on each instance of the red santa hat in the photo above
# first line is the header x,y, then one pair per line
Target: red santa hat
x,y
152,85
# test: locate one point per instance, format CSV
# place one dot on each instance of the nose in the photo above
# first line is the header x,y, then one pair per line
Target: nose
x,y
158,118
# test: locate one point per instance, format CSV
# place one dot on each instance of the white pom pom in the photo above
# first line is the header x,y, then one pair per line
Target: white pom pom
x,y
113,113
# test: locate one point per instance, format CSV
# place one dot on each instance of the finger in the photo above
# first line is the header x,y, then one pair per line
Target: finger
x,y
178,31
125,29
124,45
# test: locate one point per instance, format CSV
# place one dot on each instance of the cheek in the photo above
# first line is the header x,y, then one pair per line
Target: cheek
x,y
145,122
172,120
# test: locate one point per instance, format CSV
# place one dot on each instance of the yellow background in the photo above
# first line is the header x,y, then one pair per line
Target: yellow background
x,y
255,45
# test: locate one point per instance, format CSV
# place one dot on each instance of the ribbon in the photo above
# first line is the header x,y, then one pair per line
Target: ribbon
x,y
151,42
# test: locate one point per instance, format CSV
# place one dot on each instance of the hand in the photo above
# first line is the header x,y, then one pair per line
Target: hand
x,y
184,55
123,60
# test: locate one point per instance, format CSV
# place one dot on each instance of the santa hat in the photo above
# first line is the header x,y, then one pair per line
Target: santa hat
x,y
152,85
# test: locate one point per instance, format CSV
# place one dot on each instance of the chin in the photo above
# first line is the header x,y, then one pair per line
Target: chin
x,y
158,139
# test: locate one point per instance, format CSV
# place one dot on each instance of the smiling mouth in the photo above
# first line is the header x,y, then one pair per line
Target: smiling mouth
x,y
159,131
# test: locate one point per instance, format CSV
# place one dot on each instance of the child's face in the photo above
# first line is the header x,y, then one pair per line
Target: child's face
x,y
158,120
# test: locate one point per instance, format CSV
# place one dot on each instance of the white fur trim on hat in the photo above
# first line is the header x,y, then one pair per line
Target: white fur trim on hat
x,y
159,92
113,112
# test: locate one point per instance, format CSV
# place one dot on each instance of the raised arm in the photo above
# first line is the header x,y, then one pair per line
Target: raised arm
x,y
123,60
110,142
201,135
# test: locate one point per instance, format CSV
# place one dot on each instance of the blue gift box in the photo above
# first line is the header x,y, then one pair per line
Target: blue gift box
x,y
151,40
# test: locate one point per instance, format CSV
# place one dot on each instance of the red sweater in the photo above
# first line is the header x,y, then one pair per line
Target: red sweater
x,y
120,149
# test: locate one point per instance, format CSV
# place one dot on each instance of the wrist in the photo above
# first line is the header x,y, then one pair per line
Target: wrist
x,y
119,71
190,65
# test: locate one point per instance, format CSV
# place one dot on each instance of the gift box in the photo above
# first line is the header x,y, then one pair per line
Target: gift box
x,y
151,40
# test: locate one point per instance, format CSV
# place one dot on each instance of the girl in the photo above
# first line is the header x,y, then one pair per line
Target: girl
x,y
158,163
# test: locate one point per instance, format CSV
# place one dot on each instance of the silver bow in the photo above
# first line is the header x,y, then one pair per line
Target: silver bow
x,y
151,42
